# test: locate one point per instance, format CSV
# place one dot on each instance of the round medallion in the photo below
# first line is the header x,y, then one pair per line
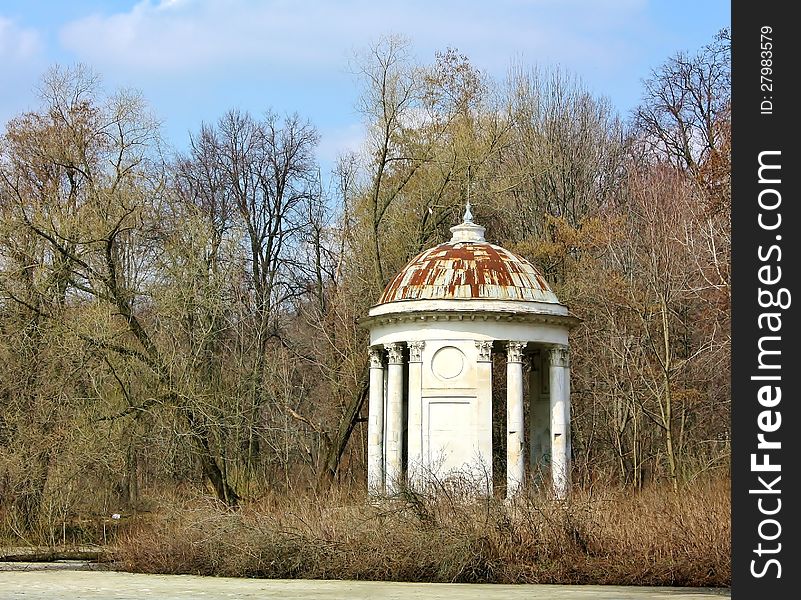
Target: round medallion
x,y
448,362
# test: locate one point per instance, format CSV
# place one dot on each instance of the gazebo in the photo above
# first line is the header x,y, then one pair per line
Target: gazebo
x,y
433,333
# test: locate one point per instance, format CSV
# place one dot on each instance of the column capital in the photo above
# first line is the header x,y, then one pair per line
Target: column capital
x,y
395,351
560,356
514,351
376,354
416,351
484,350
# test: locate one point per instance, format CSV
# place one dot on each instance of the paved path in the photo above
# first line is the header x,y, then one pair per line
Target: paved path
x,y
36,583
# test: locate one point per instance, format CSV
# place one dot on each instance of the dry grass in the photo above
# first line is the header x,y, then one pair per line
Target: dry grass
x,y
654,537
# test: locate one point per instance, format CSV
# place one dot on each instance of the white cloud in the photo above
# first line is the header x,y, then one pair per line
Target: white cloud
x,y
192,35
184,34
335,142
18,44
21,62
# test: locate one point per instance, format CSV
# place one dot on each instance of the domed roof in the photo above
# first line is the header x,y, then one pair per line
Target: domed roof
x,y
468,267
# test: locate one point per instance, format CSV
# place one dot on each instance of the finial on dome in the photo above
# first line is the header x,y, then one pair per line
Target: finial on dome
x,y
468,216
467,231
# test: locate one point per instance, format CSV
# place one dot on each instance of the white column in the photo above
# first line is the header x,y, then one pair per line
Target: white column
x,y
560,420
384,432
375,425
415,470
539,422
515,455
394,441
483,414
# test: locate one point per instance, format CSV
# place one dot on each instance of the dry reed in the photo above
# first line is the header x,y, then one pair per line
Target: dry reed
x,y
609,536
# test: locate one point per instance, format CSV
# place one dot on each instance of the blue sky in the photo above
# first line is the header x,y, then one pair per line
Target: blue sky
x,y
195,59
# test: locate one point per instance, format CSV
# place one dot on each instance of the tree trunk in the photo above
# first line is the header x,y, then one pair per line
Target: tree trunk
x,y
200,437
668,400
337,445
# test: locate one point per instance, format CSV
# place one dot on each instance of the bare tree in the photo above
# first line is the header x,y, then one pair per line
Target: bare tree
x,y
565,161
682,103
97,214
255,183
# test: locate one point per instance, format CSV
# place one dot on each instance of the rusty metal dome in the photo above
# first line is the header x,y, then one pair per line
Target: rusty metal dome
x,y
468,267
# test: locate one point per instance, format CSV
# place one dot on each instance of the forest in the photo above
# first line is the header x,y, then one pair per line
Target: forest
x,y
180,339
